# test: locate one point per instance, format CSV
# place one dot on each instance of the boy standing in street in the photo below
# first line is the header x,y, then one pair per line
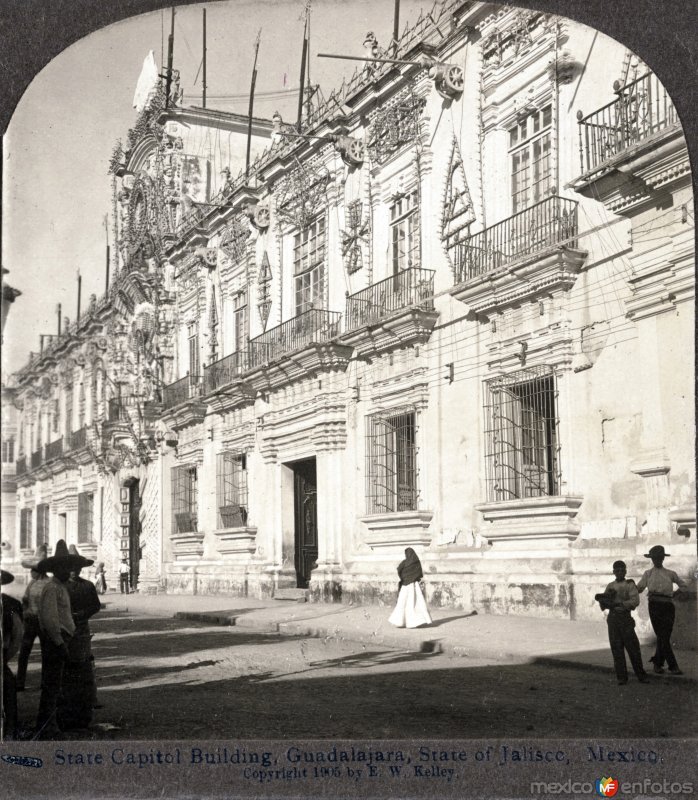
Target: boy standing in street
x,y
620,598
659,583
123,576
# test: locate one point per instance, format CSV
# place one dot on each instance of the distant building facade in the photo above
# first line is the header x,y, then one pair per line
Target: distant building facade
x,y
454,315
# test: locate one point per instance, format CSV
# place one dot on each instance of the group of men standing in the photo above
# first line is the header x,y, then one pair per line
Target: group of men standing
x,y
57,610
622,596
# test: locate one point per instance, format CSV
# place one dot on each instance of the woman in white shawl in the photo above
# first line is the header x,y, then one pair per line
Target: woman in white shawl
x,y
411,609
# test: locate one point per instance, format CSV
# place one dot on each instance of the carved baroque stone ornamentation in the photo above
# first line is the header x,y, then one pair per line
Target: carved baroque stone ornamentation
x,y
234,240
300,195
355,235
264,290
395,125
457,213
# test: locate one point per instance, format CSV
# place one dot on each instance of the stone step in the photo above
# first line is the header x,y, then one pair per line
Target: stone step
x,y
296,595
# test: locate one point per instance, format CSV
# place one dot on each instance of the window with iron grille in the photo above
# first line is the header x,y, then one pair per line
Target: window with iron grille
x,y
193,334
531,161
404,227
232,490
522,443
42,513
8,450
25,528
309,246
86,507
240,323
184,499
391,463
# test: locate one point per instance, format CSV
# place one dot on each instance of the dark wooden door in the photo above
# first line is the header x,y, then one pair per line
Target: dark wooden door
x,y
134,533
305,494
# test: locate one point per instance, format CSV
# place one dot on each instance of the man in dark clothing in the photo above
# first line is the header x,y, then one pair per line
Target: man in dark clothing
x,y
30,604
620,598
11,638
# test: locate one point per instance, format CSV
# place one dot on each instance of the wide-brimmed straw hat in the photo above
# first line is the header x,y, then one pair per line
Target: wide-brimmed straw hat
x,y
84,562
657,552
33,561
61,558
7,577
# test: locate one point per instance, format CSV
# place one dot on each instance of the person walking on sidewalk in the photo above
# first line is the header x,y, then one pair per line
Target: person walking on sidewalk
x,y
411,609
620,598
30,604
123,576
659,583
100,579
56,628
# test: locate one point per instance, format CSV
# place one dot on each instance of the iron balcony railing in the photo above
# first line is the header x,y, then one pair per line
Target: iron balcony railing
x,y
410,287
315,325
540,227
37,458
54,449
180,391
116,410
78,439
225,370
641,109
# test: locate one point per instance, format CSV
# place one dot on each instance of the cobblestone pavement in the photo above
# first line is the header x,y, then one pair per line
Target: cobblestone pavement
x,y
168,678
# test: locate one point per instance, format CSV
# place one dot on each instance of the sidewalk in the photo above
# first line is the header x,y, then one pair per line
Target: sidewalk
x,y
512,640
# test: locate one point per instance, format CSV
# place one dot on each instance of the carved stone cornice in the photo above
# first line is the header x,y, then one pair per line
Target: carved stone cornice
x,y
532,519
542,274
405,328
308,362
236,541
232,395
396,530
188,545
191,412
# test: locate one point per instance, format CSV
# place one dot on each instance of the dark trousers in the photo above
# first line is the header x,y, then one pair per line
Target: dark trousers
x,y
662,618
31,631
52,666
124,582
622,637
9,701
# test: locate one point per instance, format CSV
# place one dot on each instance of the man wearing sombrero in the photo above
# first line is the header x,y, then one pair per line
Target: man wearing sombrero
x,y
659,583
30,603
56,628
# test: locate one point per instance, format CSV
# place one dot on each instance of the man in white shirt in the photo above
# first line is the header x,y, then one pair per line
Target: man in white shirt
x,y
620,598
124,571
659,583
56,627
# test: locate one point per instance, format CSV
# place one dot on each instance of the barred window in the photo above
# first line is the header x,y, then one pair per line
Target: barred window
x,y
531,162
184,499
8,450
25,528
42,514
522,447
391,463
232,490
86,508
68,411
404,226
309,247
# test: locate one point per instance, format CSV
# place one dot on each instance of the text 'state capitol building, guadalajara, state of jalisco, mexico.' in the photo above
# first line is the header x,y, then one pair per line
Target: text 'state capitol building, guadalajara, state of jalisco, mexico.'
x,y
455,315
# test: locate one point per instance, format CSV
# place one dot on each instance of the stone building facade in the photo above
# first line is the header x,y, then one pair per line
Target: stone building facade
x,y
453,315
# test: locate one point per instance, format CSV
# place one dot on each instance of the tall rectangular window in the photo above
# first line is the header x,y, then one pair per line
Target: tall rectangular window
x,y
42,516
86,508
391,463
8,450
240,321
522,435
404,227
25,528
309,247
68,412
531,161
232,490
56,415
193,334
184,499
